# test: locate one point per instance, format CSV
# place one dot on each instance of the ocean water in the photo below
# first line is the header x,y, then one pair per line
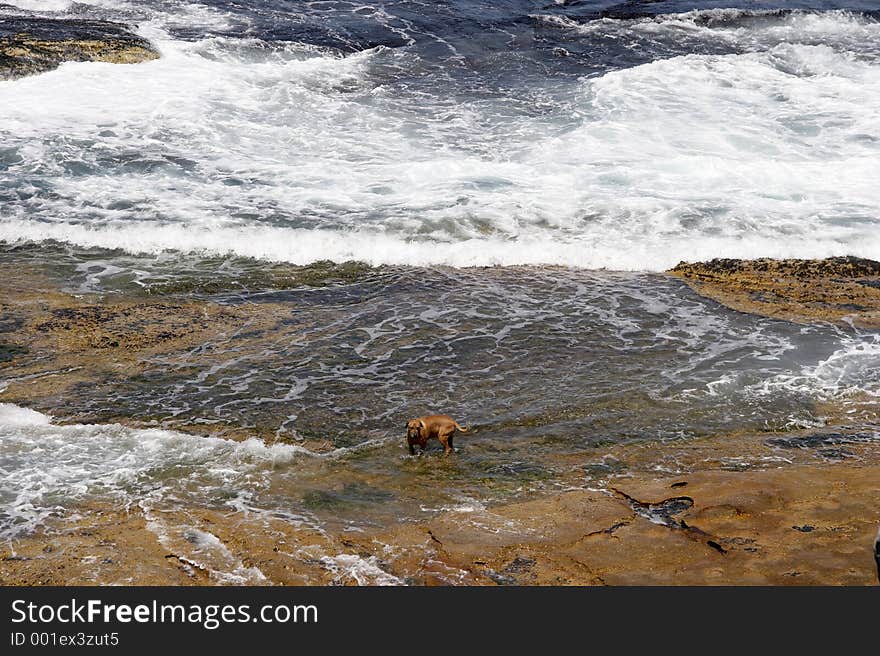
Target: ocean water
x,y
461,133
511,179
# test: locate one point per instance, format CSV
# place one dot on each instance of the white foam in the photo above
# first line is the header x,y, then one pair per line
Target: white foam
x,y
46,466
301,246
362,571
13,415
61,5
853,370
281,152
740,27
41,5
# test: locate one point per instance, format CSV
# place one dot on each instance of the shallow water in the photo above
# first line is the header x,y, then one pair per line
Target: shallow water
x,y
550,367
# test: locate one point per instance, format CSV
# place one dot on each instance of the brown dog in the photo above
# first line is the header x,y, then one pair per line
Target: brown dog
x,y
419,431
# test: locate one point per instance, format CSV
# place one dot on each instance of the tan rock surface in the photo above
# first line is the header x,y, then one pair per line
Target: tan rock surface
x,y
837,290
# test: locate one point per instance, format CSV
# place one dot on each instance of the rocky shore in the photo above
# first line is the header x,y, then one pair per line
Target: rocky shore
x,y
31,45
55,345
810,521
840,290
794,507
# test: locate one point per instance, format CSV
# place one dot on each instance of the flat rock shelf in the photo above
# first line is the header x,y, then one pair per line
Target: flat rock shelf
x,y
839,290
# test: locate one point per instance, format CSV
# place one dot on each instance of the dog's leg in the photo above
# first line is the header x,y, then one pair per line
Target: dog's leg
x,y
446,441
412,449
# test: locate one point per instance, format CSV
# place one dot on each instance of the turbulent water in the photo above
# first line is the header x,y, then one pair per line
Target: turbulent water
x,y
423,140
461,133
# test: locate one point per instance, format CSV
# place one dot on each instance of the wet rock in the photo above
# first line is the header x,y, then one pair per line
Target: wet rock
x,y
836,454
840,290
520,565
133,326
68,350
32,45
9,323
821,439
607,467
278,276
501,579
351,494
8,352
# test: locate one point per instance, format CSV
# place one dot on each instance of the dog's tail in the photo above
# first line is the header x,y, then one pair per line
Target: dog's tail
x,y
463,430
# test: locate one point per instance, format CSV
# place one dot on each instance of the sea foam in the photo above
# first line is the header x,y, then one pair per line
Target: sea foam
x,y
46,466
283,151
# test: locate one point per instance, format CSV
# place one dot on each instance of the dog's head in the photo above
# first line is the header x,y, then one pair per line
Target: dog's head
x,y
414,428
